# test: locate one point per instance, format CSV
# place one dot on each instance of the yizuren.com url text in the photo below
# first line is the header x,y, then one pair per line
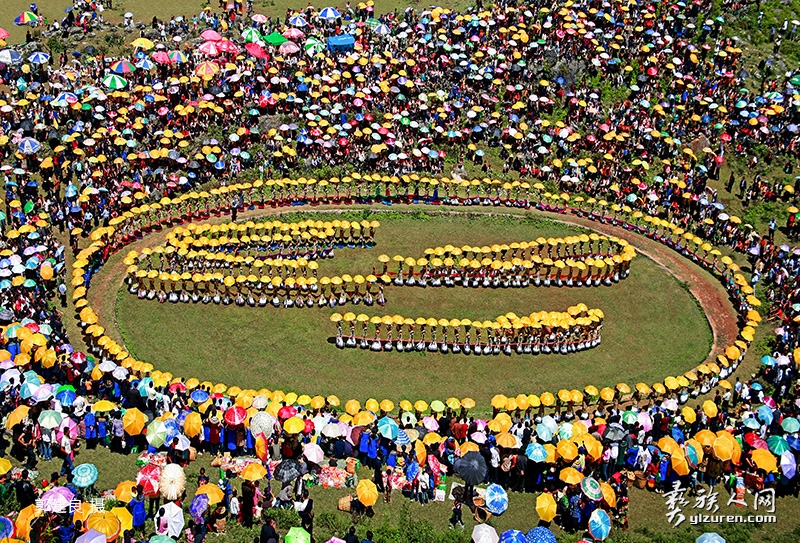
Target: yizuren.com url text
x,y
732,519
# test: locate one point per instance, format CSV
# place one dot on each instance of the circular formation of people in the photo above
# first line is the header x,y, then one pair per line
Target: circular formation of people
x,y
625,114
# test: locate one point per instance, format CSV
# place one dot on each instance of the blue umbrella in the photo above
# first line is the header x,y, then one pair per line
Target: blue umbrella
x,y
536,452
677,435
710,537
145,64
388,428
143,386
513,536
496,499
199,396
66,397
6,528
751,423
29,146
540,534
84,475
173,429
71,191
39,58
412,470
599,524
765,415
298,21
544,432
198,507
767,360
794,442
27,390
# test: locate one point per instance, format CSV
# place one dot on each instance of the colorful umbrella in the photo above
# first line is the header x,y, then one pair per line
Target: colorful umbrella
x,y
599,524
591,489
114,82
84,475
496,499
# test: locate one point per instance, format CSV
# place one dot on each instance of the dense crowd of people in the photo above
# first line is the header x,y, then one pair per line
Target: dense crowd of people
x,y
623,114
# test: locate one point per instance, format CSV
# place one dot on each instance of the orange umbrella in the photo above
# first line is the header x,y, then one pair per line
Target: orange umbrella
x,y
124,490
679,464
505,440
706,438
133,421
669,446
193,425
24,519
254,472
571,476
214,493
765,460
82,512
609,495
723,448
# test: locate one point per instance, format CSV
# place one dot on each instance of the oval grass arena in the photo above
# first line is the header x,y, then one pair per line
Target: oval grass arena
x,y
653,326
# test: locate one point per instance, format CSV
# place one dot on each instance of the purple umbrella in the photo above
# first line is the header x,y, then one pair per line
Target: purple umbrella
x,y
198,507
57,499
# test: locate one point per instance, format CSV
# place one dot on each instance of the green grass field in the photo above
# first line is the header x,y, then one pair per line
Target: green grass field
x,y
291,349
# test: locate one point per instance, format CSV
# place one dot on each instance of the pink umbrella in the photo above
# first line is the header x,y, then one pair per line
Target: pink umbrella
x,y
69,427
645,421
288,48
161,57
313,453
209,48
260,18
478,437
293,34
210,35
768,401
56,499
255,50
430,423
228,46
4,33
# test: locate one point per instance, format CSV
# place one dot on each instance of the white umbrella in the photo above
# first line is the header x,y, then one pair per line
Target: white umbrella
x,y
172,482
483,533
788,464
262,423
332,430
175,521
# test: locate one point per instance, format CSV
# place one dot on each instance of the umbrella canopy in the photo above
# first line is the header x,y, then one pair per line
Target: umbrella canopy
x,y
367,492
174,517
253,472
496,499
483,533
297,535
172,481
599,524
84,475
288,470
540,534
472,468
546,507
214,493
106,523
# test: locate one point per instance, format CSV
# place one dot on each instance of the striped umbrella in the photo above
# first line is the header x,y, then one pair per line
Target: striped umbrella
x,y
123,67
313,46
84,475
145,64
29,146
298,21
206,69
26,18
114,82
382,30
177,56
329,14
251,35
38,58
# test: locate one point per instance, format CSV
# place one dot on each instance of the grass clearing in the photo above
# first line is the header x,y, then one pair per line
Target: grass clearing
x,y
292,349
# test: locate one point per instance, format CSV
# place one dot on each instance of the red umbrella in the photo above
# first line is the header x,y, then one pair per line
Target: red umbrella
x,y
228,46
255,50
652,71
148,478
287,412
235,416
309,429
177,386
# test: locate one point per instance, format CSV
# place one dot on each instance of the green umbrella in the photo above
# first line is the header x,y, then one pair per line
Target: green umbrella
x,y
790,424
297,535
28,207
115,82
275,38
29,283
795,81
251,35
591,488
777,445
629,417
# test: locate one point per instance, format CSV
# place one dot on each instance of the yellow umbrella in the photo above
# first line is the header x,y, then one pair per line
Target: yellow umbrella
x,y
363,418
124,516
669,445
24,519
607,394
723,448
104,406
689,415
431,438
367,492
254,472
294,425
567,450
82,512
387,405
193,425
571,476
679,464
468,446
17,415
499,401
710,408
547,399
352,407
106,523
5,466
214,493
546,507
